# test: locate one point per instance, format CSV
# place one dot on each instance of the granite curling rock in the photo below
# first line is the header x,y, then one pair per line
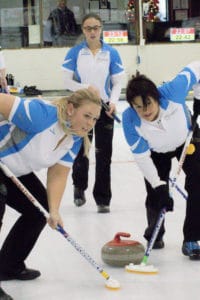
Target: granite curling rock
x,y
120,252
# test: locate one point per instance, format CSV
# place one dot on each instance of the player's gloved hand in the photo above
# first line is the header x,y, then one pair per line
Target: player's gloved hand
x,y
163,199
196,103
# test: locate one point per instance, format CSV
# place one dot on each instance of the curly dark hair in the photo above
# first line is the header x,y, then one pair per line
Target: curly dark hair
x,y
140,85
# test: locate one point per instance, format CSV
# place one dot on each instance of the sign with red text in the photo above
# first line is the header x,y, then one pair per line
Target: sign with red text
x,y
182,34
115,36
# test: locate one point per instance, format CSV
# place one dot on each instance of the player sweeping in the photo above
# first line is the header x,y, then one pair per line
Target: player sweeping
x,y
35,135
156,126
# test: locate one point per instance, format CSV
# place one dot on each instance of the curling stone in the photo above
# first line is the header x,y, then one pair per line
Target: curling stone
x,y
120,252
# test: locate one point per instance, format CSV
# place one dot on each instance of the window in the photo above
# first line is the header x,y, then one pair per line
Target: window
x,y
34,23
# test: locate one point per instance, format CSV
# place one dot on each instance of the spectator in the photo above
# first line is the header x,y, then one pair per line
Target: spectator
x,y
63,24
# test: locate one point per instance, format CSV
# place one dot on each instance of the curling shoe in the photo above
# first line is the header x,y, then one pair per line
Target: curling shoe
x,y
4,296
159,244
191,249
79,197
26,274
103,209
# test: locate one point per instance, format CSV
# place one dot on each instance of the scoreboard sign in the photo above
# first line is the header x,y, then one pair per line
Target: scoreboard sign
x,y
115,36
182,34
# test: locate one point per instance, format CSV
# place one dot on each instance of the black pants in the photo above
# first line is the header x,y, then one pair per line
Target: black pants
x,y
25,232
191,167
103,152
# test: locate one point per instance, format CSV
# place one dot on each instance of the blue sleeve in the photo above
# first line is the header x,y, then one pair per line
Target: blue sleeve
x,y
73,152
177,89
70,60
33,115
116,62
130,121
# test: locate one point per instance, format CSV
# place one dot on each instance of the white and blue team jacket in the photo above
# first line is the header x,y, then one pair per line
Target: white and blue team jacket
x,y
104,70
29,138
170,129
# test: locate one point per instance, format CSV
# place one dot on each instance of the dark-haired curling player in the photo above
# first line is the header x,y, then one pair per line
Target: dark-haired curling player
x,y
156,126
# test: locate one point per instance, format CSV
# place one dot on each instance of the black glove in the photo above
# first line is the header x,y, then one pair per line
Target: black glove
x,y
163,199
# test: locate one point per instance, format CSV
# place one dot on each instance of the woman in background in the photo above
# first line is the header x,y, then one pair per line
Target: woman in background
x,y
96,65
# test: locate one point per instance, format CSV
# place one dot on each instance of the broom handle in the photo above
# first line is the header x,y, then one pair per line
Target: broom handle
x,y
35,202
106,107
163,211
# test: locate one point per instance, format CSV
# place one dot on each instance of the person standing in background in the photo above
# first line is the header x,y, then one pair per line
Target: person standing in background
x,y
95,65
63,24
